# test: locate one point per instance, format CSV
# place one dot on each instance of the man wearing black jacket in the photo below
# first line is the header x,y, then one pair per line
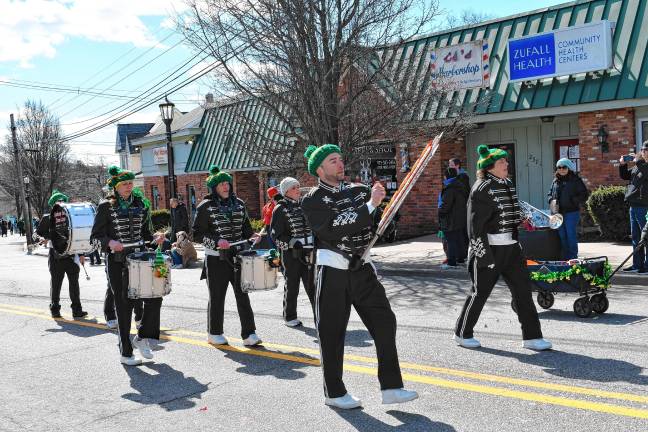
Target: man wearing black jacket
x,y
60,265
339,214
292,235
221,219
452,217
179,219
637,197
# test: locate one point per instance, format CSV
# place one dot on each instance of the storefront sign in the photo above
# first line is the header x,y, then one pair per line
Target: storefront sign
x,y
159,155
461,66
376,151
561,52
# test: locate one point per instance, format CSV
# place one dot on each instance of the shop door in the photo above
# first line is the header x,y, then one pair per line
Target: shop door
x,y
567,148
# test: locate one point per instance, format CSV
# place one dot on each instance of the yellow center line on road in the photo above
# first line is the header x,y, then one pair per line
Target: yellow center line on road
x,y
438,382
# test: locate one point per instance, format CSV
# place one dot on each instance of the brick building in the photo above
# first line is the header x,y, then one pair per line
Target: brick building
x,y
592,115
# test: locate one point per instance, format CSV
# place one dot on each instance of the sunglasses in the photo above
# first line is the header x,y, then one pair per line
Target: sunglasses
x,y
562,167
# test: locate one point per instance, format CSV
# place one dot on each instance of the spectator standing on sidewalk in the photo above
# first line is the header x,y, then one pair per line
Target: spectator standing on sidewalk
x,y
568,192
452,217
179,219
463,178
636,196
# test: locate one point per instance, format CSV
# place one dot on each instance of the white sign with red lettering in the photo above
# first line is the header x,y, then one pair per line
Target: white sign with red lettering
x,y
159,155
461,66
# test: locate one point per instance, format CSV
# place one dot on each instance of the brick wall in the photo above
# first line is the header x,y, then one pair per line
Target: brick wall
x,y
598,168
247,185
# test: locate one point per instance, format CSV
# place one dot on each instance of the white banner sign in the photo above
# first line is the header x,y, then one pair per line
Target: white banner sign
x,y
461,66
567,51
159,155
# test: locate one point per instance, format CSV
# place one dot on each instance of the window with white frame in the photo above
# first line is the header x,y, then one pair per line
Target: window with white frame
x,y
642,131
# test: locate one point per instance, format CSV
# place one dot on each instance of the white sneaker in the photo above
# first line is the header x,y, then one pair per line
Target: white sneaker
x,y
467,343
252,340
111,324
344,402
394,396
130,361
143,346
293,323
138,324
537,344
217,339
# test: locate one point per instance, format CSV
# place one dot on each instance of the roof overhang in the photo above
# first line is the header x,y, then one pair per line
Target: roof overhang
x,y
161,138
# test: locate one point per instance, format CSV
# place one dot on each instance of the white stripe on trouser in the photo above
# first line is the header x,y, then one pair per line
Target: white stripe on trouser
x,y
320,271
472,299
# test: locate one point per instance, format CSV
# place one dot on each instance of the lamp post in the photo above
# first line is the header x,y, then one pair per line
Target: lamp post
x,y
166,109
28,219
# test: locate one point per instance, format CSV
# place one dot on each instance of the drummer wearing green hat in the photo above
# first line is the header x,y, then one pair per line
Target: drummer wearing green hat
x,y
53,229
494,251
222,219
340,216
123,225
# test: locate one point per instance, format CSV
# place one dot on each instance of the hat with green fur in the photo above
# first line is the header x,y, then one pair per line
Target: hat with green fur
x,y
57,196
118,175
316,156
487,157
217,176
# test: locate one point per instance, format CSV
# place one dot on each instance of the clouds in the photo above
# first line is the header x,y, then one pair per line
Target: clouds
x,y
34,28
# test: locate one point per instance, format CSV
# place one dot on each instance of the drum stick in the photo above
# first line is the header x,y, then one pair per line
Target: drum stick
x,y
85,271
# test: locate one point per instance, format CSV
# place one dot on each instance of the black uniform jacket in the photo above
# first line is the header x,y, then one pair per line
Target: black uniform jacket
x,y
493,208
125,225
288,223
339,217
218,218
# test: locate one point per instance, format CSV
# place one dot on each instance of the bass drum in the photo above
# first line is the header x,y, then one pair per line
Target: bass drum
x,y
72,235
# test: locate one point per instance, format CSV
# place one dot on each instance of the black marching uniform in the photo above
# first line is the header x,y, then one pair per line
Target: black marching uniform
x,y
127,225
290,231
493,217
54,227
341,222
226,219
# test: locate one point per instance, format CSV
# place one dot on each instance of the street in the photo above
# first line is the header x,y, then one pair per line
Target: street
x,y
65,375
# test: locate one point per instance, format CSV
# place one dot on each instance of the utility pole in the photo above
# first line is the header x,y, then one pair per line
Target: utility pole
x,y
26,216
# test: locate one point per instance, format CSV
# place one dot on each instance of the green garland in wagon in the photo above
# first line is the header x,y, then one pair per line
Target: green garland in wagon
x,y
575,269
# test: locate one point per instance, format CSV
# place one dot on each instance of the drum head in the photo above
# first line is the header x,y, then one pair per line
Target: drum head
x,y
141,256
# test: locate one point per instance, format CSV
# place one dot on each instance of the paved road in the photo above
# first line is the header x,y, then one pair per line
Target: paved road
x,y
65,375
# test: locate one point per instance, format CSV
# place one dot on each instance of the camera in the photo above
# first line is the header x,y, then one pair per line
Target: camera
x,y
628,158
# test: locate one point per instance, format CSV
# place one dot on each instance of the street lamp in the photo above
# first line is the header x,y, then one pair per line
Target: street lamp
x,y
166,109
602,139
28,220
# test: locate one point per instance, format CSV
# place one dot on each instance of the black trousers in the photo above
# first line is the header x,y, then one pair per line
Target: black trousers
x,y
220,274
336,291
58,268
294,271
454,240
95,257
511,265
118,281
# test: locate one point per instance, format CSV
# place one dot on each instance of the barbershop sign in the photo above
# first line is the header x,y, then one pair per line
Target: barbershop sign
x,y
159,155
567,51
461,66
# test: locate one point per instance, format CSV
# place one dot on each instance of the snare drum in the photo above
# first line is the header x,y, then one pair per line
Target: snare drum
x,y
256,272
76,239
142,282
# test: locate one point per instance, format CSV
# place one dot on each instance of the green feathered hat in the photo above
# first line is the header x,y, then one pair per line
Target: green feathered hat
x,y
118,175
217,176
487,157
316,156
57,196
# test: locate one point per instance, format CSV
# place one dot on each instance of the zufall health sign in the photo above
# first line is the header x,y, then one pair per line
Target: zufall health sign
x,y
561,52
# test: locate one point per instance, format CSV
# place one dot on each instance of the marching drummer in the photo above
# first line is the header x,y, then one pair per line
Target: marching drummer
x,y
60,265
339,214
290,231
494,251
121,226
221,221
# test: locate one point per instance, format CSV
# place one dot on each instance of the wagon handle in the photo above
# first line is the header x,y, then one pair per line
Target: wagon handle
x,y
640,245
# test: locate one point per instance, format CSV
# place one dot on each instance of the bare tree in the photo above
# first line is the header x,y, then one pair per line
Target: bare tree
x,y
466,17
323,69
44,154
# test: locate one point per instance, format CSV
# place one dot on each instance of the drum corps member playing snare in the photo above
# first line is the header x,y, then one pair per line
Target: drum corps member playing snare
x,y
222,219
54,227
123,221
339,214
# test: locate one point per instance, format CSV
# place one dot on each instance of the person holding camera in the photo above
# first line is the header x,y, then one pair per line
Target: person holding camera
x,y
292,235
339,214
636,196
566,195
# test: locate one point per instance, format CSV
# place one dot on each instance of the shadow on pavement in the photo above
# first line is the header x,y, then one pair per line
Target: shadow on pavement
x,y
577,366
360,420
164,386
606,318
75,329
259,366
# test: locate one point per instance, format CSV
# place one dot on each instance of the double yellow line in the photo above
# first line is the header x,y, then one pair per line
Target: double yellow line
x,y
309,357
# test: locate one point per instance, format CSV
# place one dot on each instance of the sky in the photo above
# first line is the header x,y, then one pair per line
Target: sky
x,y
107,53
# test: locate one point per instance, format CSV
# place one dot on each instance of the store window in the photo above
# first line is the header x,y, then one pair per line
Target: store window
x,y
155,195
567,148
642,132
